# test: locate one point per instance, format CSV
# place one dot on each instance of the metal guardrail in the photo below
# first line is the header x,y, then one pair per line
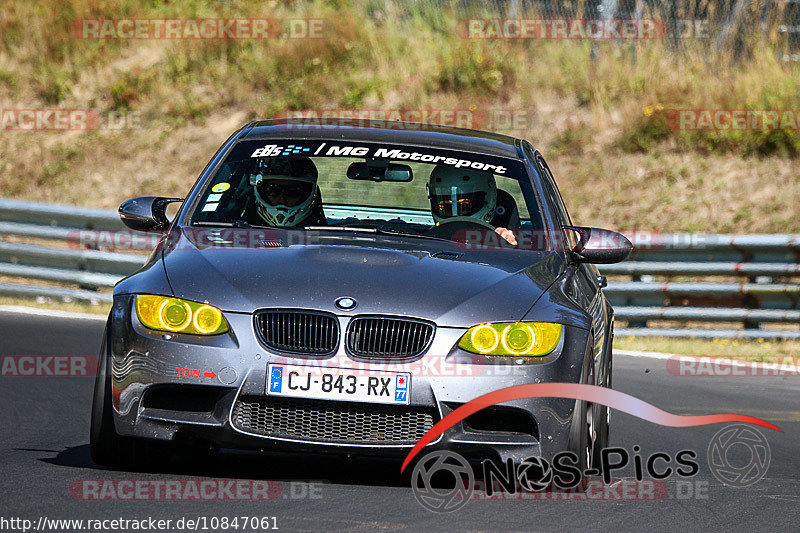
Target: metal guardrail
x,y
756,285
764,268
88,270
63,216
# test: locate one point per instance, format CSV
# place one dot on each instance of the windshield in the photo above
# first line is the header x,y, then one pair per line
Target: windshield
x,y
402,189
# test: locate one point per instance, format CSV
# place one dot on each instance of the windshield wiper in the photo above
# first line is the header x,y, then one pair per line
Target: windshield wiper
x,y
340,228
207,223
386,230
379,230
238,224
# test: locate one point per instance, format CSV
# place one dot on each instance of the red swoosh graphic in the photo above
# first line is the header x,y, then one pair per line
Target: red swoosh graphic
x,y
576,391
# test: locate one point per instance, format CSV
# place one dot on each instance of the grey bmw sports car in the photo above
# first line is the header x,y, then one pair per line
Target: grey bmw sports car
x,y
342,289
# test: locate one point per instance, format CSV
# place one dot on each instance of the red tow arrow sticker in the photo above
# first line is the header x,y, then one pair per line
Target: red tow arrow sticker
x,y
195,373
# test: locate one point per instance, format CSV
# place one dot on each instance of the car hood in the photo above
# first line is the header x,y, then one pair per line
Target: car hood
x,y
429,279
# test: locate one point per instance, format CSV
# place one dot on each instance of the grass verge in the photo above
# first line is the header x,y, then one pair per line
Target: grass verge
x,y
745,350
101,309
601,123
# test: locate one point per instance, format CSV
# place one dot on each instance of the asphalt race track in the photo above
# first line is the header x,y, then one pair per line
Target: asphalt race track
x,y
44,452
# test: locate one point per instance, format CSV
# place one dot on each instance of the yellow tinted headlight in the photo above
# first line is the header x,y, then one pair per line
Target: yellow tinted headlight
x,y
175,315
529,339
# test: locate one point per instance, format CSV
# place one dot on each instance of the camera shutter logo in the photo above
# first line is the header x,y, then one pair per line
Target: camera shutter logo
x,y
534,474
741,440
452,469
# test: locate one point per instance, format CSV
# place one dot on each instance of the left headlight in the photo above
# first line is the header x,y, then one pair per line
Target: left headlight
x,y
527,339
176,315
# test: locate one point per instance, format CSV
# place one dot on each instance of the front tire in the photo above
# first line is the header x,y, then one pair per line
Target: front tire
x,y
582,431
603,415
106,446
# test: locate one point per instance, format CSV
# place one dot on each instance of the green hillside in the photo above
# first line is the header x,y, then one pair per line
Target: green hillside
x,y
607,126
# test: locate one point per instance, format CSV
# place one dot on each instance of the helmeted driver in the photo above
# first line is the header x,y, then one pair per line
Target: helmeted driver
x,y
458,192
286,192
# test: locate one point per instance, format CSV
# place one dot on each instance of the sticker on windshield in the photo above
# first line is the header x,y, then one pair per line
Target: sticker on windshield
x,y
393,154
210,207
272,150
221,187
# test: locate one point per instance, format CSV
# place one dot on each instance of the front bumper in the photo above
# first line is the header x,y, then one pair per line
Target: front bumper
x,y
176,387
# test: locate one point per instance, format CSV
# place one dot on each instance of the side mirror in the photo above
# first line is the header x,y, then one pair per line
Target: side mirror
x,y
146,213
599,246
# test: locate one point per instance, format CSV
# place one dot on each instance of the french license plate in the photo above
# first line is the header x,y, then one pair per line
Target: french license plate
x,y
339,384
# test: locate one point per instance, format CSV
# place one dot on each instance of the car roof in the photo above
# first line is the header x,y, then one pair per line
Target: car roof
x,y
390,132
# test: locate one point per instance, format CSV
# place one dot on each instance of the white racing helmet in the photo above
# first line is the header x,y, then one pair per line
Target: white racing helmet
x,y
458,192
302,172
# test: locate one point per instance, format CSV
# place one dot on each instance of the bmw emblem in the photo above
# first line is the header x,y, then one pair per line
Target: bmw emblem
x,y
346,303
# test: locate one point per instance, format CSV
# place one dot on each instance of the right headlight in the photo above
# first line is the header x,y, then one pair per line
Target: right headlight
x,y
176,315
513,339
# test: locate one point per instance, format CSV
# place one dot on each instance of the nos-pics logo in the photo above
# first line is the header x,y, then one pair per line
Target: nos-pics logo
x,y
444,481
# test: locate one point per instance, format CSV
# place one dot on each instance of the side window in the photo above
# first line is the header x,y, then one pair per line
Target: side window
x,y
513,198
559,199
555,200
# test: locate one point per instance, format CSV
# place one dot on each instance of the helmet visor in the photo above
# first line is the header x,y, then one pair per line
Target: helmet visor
x,y
457,204
284,192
